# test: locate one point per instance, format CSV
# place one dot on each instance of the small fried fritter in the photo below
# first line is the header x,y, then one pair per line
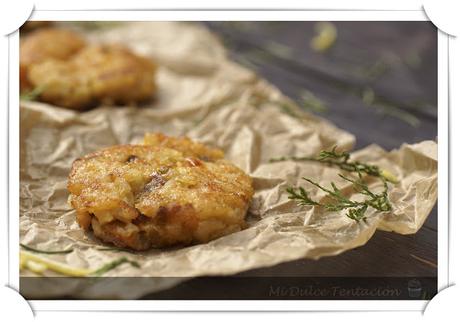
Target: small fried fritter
x,y
44,44
144,196
107,74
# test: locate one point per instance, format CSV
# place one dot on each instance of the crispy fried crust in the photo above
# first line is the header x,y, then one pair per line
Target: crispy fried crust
x,y
184,145
107,74
44,44
143,196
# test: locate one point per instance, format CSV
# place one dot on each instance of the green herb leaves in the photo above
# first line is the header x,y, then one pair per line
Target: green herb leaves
x,y
337,200
342,161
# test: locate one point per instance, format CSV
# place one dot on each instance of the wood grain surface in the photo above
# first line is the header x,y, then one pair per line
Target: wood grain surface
x,y
377,81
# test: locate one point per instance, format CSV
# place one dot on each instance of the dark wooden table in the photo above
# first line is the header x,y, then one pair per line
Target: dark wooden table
x,y
377,81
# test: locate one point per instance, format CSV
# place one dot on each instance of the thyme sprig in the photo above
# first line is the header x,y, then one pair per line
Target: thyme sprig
x,y
337,201
356,210
342,161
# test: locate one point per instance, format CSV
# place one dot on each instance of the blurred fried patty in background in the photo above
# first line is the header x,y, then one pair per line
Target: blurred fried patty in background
x,y
70,73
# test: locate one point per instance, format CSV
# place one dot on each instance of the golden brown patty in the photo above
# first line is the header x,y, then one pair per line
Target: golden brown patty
x,y
106,74
184,145
143,196
44,44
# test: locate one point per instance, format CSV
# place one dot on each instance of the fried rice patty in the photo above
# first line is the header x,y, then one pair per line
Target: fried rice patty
x,y
97,74
46,43
184,145
174,191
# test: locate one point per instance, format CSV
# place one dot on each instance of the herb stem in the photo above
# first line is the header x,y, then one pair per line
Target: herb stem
x,y
341,160
39,264
111,265
33,94
355,209
65,251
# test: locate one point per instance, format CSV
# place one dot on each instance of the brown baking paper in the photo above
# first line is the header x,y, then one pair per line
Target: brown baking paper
x,y
207,97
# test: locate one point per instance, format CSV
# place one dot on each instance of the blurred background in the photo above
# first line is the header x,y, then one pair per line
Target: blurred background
x,y
377,80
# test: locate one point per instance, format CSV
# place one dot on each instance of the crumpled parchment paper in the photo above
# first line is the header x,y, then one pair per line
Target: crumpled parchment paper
x,y
207,97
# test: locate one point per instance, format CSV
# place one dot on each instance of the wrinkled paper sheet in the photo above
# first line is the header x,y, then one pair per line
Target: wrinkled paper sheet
x,y
207,97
